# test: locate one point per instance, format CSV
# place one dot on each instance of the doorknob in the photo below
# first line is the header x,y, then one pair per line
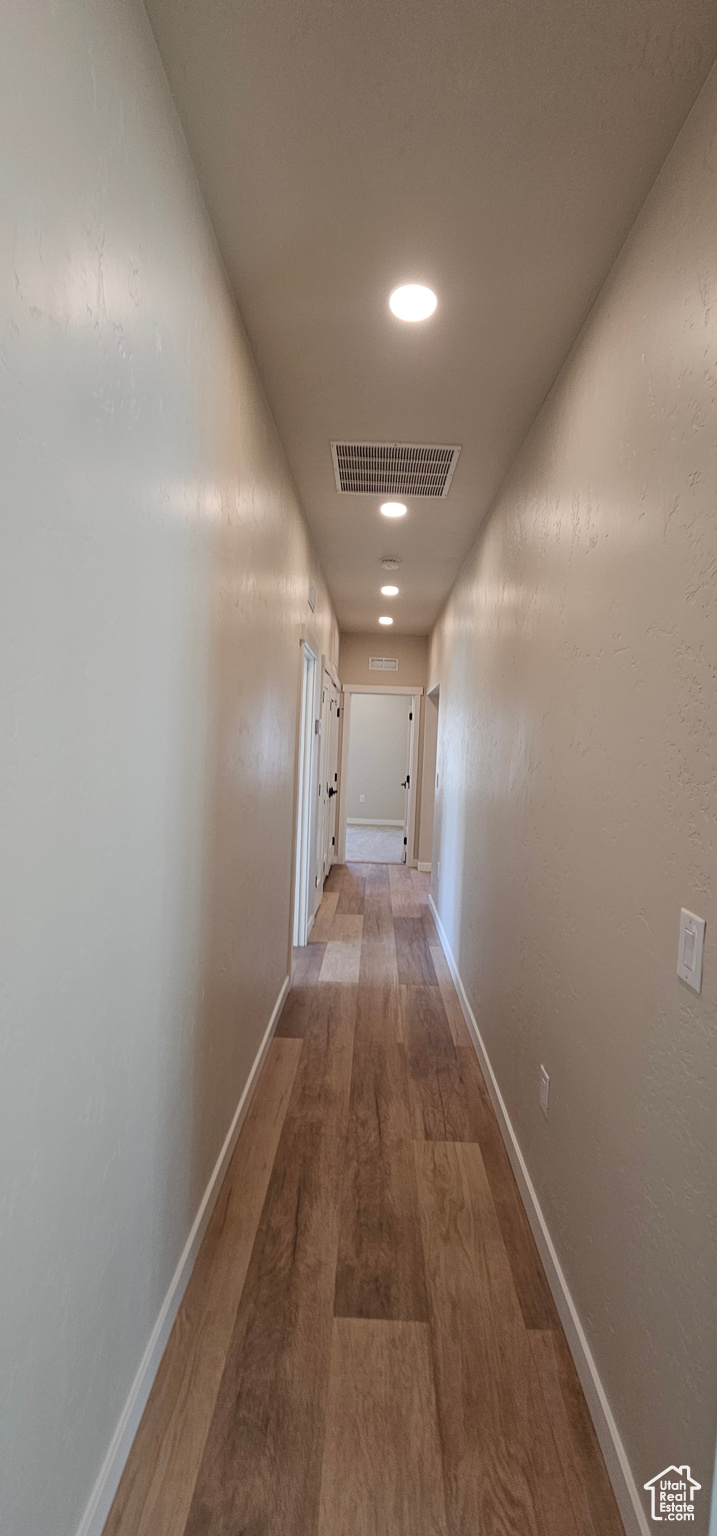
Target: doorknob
x,y
405,783
332,791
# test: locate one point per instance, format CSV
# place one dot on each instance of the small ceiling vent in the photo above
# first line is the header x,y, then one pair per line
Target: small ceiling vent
x,y
394,469
383,663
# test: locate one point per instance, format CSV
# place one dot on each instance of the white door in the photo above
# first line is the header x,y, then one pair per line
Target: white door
x,y
327,774
328,778
304,896
406,783
332,779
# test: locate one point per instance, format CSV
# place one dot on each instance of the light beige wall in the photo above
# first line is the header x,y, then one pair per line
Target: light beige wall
x,y
576,811
428,778
411,651
378,756
154,580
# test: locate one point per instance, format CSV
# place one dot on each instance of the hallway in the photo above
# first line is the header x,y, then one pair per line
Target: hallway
x,y
368,1346
359,404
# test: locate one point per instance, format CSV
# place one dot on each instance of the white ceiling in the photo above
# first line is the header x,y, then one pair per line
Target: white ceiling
x,y
495,149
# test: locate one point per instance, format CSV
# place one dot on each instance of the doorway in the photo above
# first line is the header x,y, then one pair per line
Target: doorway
x,y
305,829
380,738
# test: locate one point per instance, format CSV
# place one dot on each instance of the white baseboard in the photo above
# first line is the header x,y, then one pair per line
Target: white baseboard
x,y
100,1501
370,821
624,1485
424,868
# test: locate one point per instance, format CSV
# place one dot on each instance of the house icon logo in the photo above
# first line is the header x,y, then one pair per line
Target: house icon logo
x,y
673,1494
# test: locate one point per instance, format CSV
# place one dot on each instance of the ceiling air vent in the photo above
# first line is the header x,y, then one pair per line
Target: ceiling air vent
x,y
383,663
394,469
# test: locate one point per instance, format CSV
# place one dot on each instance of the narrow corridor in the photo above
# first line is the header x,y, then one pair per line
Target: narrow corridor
x,y
368,1345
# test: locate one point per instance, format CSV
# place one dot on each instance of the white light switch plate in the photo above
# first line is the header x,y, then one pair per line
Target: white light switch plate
x,y
689,954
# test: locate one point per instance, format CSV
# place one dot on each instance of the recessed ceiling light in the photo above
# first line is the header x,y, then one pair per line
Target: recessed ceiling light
x,y
385,620
413,302
394,509
389,591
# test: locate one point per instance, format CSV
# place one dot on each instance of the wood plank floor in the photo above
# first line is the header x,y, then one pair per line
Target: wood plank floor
x,y
368,1345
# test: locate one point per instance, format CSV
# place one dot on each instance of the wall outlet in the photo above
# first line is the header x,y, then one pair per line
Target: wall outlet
x,y
544,1091
362,799
689,954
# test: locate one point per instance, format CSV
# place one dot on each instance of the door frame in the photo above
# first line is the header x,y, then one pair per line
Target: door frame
x,y
328,766
305,839
405,689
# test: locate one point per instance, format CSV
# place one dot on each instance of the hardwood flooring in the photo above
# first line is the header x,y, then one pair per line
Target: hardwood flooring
x,y
368,1345
382,1468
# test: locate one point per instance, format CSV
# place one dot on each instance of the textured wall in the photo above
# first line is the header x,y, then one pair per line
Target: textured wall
x,y
577,809
428,779
411,652
153,583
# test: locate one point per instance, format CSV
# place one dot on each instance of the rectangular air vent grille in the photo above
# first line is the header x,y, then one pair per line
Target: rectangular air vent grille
x,y
383,664
394,469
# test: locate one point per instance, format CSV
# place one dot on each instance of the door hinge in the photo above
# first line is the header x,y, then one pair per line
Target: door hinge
x,y
410,714
405,841
333,842
338,712
336,778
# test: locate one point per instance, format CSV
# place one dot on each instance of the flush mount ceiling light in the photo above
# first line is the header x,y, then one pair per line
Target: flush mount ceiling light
x,y
389,591
385,619
412,302
390,563
394,509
